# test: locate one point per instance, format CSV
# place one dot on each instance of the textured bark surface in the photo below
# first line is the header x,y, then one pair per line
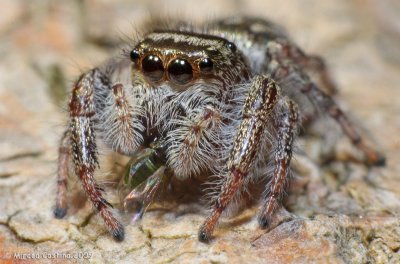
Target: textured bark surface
x,y
346,212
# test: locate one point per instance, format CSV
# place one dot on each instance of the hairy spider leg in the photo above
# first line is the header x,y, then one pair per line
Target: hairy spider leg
x,y
259,104
328,105
191,136
287,123
84,149
373,157
318,64
288,51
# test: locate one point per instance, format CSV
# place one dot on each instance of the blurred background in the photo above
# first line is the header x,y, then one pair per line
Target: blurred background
x,y
45,45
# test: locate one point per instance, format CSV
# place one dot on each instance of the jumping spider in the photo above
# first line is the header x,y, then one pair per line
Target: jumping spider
x,y
225,100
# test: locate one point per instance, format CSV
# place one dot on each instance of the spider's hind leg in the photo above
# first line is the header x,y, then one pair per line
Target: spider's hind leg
x,y
325,102
289,74
284,50
318,65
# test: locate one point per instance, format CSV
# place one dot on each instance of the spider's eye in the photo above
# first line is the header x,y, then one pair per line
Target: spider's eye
x,y
180,71
206,65
153,67
231,46
134,55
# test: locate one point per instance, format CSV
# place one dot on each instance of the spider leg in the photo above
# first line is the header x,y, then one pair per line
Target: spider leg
x,y
325,102
64,152
283,50
373,157
317,64
259,104
84,148
287,124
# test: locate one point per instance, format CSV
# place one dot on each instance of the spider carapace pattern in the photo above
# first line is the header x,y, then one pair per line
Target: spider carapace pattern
x,y
225,99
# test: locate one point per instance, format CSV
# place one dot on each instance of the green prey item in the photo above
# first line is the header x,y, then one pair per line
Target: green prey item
x,y
142,166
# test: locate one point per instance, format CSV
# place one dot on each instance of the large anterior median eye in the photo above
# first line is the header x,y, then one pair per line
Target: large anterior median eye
x,y
153,68
180,71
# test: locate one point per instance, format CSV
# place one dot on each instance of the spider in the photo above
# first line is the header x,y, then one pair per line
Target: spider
x,y
225,100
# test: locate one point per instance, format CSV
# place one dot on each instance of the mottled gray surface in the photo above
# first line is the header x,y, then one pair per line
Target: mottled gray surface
x,y
348,213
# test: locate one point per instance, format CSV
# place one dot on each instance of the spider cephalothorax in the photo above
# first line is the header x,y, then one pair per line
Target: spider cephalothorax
x,y
222,102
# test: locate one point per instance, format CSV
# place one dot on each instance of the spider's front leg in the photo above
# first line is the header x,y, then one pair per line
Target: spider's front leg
x,y
259,104
287,124
83,144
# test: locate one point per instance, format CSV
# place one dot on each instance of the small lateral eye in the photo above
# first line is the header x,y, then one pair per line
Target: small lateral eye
x,y
153,67
231,46
206,65
180,71
134,55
